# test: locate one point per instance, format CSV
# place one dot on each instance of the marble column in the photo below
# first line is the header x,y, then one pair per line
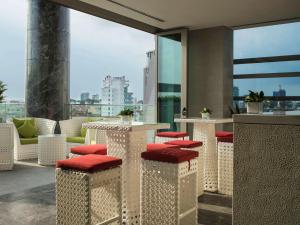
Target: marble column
x,y
48,60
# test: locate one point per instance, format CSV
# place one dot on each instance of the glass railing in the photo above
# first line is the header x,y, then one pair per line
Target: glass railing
x,y
10,110
142,113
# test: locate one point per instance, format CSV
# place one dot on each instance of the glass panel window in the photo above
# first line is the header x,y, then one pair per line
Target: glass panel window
x,y
169,78
275,40
272,67
271,86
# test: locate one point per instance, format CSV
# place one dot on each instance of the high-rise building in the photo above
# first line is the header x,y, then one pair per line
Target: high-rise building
x,y
280,105
280,93
236,91
84,96
114,92
150,79
95,97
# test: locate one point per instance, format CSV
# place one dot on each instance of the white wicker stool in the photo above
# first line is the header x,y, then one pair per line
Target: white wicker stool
x,y
88,191
195,146
98,149
225,165
169,187
163,137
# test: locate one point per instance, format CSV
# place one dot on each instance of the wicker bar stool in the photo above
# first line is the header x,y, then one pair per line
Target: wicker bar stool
x,y
162,137
195,146
225,165
169,187
88,191
98,149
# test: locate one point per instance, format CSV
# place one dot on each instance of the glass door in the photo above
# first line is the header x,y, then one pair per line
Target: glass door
x,y
171,76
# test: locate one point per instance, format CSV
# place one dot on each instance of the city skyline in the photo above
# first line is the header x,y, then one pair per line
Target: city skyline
x,y
98,50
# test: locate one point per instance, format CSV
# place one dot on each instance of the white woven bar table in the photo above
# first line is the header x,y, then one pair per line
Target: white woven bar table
x,y
128,141
204,130
6,146
51,148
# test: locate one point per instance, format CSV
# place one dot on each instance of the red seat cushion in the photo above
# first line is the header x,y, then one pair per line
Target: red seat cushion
x,y
225,139
224,134
170,155
185,143
89,163
172,134
98,149
158,146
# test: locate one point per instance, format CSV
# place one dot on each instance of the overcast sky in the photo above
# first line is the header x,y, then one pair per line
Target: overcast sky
x,y
100,48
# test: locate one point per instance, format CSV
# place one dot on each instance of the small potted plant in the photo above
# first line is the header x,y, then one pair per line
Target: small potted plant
x,y
126,116
2,90
254,102
205,113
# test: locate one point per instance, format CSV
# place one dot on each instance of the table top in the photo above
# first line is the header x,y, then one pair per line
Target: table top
x,y
134,126
267,119
200,120
52,136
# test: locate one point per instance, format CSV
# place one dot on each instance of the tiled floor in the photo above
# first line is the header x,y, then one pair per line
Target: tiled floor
x,y
36,205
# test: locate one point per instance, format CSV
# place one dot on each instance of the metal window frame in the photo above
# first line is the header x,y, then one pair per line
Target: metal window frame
x,y
282,58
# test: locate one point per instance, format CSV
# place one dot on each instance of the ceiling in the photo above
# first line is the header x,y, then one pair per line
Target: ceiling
x,y
169,14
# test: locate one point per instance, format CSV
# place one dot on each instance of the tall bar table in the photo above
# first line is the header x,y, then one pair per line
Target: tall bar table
x,y
204,130
128,141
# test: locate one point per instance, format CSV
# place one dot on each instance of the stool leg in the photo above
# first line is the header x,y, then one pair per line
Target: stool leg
x,y
72,196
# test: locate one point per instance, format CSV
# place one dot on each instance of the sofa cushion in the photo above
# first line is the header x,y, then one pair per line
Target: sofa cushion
x,y
27,130
80,140
89,163
170,155
29,141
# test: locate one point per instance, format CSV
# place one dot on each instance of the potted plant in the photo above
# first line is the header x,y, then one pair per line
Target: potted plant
x,y
126,116
254,102
2,90
205,113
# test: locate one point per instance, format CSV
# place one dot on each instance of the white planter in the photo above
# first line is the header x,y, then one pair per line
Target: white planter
x,y
126,119
205,116
254,107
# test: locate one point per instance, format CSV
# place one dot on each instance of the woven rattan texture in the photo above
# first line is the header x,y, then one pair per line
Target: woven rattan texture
x,y
225,168
51,149
200,168
6,146
169,193
22,152
128,146
206,134
100,137
88,199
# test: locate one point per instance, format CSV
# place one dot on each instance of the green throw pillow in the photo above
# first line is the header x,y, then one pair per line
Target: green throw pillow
x,y
27,130
20,122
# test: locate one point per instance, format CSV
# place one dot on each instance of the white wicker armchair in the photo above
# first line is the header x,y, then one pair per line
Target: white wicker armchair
x,y
6,146
72,128
29,151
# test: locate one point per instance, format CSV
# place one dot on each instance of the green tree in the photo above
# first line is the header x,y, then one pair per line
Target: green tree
x,y
2,90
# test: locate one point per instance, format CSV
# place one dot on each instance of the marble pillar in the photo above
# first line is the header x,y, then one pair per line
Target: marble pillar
x,y
48,60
